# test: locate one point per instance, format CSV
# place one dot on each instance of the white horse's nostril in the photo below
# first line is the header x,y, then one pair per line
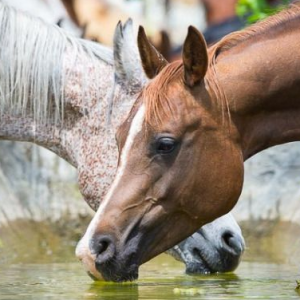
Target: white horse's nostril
x,y
233,242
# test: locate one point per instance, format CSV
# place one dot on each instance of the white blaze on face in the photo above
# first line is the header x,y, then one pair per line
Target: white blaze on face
x,y
82,248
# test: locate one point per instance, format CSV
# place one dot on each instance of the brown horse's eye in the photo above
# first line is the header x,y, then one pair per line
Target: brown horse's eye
x,y
165,145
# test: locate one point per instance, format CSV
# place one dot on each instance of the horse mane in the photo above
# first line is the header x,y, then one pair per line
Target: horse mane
x,y
32,65
155,95
232,40
259,28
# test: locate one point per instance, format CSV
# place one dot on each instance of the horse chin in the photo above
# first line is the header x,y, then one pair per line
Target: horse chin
x,y
117,273
199,265
193,268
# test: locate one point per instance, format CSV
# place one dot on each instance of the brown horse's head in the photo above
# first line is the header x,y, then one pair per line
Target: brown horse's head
x,y
180,166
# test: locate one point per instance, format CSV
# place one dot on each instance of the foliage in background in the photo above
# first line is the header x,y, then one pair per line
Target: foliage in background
x,y
256,10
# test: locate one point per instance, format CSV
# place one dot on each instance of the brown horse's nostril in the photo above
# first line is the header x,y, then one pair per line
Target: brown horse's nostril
x,y
104,249
233,242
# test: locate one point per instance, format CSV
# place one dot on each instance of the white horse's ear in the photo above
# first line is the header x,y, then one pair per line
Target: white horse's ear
x,y
128,66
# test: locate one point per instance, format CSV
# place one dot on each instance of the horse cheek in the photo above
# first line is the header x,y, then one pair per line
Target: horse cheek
x,y
219,181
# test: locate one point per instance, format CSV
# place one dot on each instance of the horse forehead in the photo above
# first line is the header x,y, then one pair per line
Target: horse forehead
x,y
131,127
183,111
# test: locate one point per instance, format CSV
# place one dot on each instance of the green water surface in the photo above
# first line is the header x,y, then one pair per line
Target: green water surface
x,y
162,278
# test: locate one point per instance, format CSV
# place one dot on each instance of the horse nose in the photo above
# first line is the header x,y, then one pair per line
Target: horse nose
x,y
103,247
233,243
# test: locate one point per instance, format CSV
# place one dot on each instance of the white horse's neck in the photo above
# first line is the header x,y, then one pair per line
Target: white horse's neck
x,y
52,85
56,91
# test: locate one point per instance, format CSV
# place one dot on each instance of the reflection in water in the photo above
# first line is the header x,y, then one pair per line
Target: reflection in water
x,y
263,284
41,270
162,278
100,291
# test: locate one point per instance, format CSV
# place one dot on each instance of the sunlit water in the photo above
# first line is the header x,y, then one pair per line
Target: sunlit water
x,y
162,278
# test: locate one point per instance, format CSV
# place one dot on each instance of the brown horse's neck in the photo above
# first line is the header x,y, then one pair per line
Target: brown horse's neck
x,y
261,81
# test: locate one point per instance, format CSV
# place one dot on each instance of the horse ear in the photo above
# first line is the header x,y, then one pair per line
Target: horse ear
x,y
152,60
128,66
195,57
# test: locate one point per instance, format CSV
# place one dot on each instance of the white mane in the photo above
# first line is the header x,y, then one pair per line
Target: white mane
x,y
31,64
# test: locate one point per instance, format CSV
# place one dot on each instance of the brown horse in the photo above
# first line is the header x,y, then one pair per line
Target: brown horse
x,y
183,144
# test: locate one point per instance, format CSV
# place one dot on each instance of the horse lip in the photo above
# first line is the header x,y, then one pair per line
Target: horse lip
x,y
123,277
128,276
197,267
119,272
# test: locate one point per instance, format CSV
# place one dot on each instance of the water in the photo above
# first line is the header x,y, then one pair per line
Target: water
x,y
162,278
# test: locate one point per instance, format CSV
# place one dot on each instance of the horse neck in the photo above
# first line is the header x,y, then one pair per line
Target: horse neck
x,y
85,137
53,86
84,109
261,81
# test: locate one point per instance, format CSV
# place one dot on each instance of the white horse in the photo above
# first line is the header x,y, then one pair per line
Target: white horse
x,y
69,95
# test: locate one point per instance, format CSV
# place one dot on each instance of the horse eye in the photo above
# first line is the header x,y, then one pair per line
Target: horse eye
x,y
165,145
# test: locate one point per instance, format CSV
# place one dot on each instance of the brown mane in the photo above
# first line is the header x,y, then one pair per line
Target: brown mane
x,y
255,30
234,39
155,95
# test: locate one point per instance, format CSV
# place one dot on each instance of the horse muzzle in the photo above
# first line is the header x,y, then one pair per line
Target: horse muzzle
x,y
111,261
202,256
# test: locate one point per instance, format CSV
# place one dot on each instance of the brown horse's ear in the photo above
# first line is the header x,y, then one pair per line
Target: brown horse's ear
x,y
152,60
195,57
